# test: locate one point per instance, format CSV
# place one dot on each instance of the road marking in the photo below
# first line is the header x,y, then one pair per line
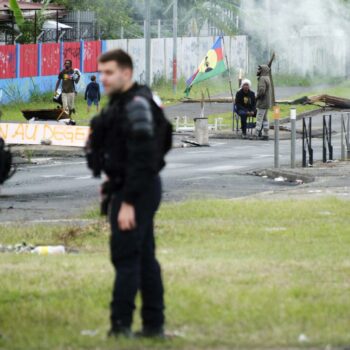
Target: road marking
x,y
76,177
199,152
198,178
177,165
222,168
54,176
260,156
216,144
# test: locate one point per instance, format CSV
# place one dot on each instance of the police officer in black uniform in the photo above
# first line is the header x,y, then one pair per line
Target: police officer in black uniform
x,y
124,143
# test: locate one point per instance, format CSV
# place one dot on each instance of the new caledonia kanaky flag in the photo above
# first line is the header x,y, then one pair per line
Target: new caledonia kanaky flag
x,y
212,65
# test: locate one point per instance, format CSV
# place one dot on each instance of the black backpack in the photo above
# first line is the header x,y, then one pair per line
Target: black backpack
x,y
164,133
6,170
163,130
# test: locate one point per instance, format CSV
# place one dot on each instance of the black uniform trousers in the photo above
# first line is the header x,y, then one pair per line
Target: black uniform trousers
x,y
133,257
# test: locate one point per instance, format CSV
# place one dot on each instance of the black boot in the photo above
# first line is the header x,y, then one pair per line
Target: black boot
x,y
151,333
123,332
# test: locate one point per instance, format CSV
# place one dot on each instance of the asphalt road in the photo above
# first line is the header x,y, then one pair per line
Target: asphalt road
x,y
193,110
62,188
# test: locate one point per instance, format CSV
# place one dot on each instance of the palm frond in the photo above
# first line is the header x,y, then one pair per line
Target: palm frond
x,y
17,12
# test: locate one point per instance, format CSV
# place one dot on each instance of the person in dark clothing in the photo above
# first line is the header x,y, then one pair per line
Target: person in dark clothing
x,y
245,104
92,94
264,101
131,165
69,77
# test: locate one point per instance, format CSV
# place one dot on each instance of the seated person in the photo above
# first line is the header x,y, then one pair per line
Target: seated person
x,y
245,104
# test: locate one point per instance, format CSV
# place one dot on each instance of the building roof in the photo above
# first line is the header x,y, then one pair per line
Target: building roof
x,y
24,5
29,9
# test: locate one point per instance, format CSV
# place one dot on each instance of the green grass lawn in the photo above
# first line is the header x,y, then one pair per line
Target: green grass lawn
x,y
12,112
339,90
238,274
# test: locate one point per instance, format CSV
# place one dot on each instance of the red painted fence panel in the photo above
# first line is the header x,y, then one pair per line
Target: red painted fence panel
x,y
50,59
29,60
92,49
71,51
7,61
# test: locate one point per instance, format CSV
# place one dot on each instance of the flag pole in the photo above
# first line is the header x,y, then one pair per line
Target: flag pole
x,y
229,81
228,67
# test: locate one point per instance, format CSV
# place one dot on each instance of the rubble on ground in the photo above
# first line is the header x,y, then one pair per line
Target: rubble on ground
x,y
327,100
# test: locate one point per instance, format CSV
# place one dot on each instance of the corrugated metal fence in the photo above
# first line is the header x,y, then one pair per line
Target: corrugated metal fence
x,y
35,60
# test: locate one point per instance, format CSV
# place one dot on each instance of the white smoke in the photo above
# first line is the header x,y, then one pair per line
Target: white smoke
x,y
308,36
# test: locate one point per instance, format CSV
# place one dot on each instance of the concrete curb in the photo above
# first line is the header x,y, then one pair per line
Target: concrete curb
x,y
28,152
284,135
23,153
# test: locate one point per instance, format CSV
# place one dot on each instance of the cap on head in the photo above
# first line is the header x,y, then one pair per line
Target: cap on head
x,y
246,82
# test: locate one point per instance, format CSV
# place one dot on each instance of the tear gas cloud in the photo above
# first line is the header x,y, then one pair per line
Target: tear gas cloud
x,y
308,36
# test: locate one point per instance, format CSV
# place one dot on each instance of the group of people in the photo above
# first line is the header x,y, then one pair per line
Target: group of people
x,y
248,105
251,105
67,79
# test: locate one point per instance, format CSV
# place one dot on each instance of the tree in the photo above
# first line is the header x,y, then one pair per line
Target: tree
x,y
195,13
111,15
27,27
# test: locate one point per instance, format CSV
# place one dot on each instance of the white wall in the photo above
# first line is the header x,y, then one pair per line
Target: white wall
x,y
190,50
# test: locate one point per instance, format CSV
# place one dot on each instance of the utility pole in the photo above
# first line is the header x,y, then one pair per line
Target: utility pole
x,y
175,19
159,28
148,42
293,120
276,117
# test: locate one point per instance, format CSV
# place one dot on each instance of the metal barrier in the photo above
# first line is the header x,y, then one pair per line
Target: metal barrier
x,y
307,143
327,138
345,137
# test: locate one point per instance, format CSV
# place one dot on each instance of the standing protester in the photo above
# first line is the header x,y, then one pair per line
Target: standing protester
x,y
264,102
92,94
128,142
245,104
69,77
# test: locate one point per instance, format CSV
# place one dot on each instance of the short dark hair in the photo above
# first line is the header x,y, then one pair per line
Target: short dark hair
x,y
122,58
70,61
93,78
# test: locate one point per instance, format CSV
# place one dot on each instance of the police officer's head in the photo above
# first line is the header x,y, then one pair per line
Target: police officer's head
x,y
116,70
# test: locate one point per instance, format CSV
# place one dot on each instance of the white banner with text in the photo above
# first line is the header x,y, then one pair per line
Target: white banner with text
x,y
36,134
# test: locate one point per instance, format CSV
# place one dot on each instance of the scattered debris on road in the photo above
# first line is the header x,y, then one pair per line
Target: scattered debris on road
x,y
303,338
280,179
25,248
89,333
327,100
